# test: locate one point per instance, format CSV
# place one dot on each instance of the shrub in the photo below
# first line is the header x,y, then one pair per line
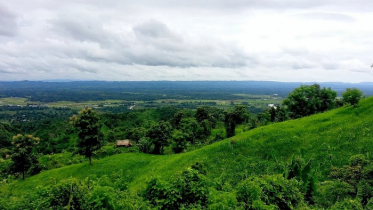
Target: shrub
x,y
269,192
330,192
347,204
187,191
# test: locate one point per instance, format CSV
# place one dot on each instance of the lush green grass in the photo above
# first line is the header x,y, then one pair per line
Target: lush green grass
x,y
329,139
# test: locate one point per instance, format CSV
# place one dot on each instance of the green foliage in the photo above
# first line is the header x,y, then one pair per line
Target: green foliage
x,y
358,160
5,165
307,100
190,127
347,204
58,160
330,192
90,137
365,190
205,128
6,134
236,116
56,135
269,192
135,134
352,173
22,153
186,191
80,194
110,136
201,114
145,145
329,139
159,135
177,119
277,114
352,96
179,141
219,200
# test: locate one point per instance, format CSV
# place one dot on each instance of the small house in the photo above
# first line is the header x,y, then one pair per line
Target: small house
x,y
124,143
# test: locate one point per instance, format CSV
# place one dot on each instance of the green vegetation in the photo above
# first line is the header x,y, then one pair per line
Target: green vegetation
x,y
22,153
272,160
88,128
236,116
352,96
307,100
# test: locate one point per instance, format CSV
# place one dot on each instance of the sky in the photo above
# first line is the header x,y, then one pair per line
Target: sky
x,y
142,40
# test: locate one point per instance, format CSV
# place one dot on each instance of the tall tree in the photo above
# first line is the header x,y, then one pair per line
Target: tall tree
x,y
179,141
190,127
236,116
352,96
23,156
177,119
90,137
201,114
309,99
160,134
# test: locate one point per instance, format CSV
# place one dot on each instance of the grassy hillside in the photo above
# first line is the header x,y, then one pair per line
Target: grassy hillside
x,y
329,139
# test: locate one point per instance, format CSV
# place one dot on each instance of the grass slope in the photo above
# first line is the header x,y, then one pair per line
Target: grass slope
x,y
328,139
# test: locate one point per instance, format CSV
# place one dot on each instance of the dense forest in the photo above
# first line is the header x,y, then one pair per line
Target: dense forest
x,y
218,158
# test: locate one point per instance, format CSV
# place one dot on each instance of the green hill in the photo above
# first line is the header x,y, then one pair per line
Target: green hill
x,y
328,139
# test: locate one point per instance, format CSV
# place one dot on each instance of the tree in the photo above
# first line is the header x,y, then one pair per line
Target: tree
x,y
190,127
136,134
201,114
231,118
179,141
277,114
90,137
160,134
177,119
229,124
205,127
23,156
352,96
309,99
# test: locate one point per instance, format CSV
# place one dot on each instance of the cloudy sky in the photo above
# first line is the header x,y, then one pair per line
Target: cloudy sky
x,y
277,40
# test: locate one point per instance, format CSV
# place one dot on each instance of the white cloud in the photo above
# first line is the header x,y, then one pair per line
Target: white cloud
x,y
8,24
187,40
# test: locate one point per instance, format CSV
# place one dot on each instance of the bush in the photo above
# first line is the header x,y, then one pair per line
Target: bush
x,y
74,194
352,96
189,190
330,192
222,200
269,192
347,204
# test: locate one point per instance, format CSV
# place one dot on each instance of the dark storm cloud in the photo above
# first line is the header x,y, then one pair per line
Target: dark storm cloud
x,y
8,24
